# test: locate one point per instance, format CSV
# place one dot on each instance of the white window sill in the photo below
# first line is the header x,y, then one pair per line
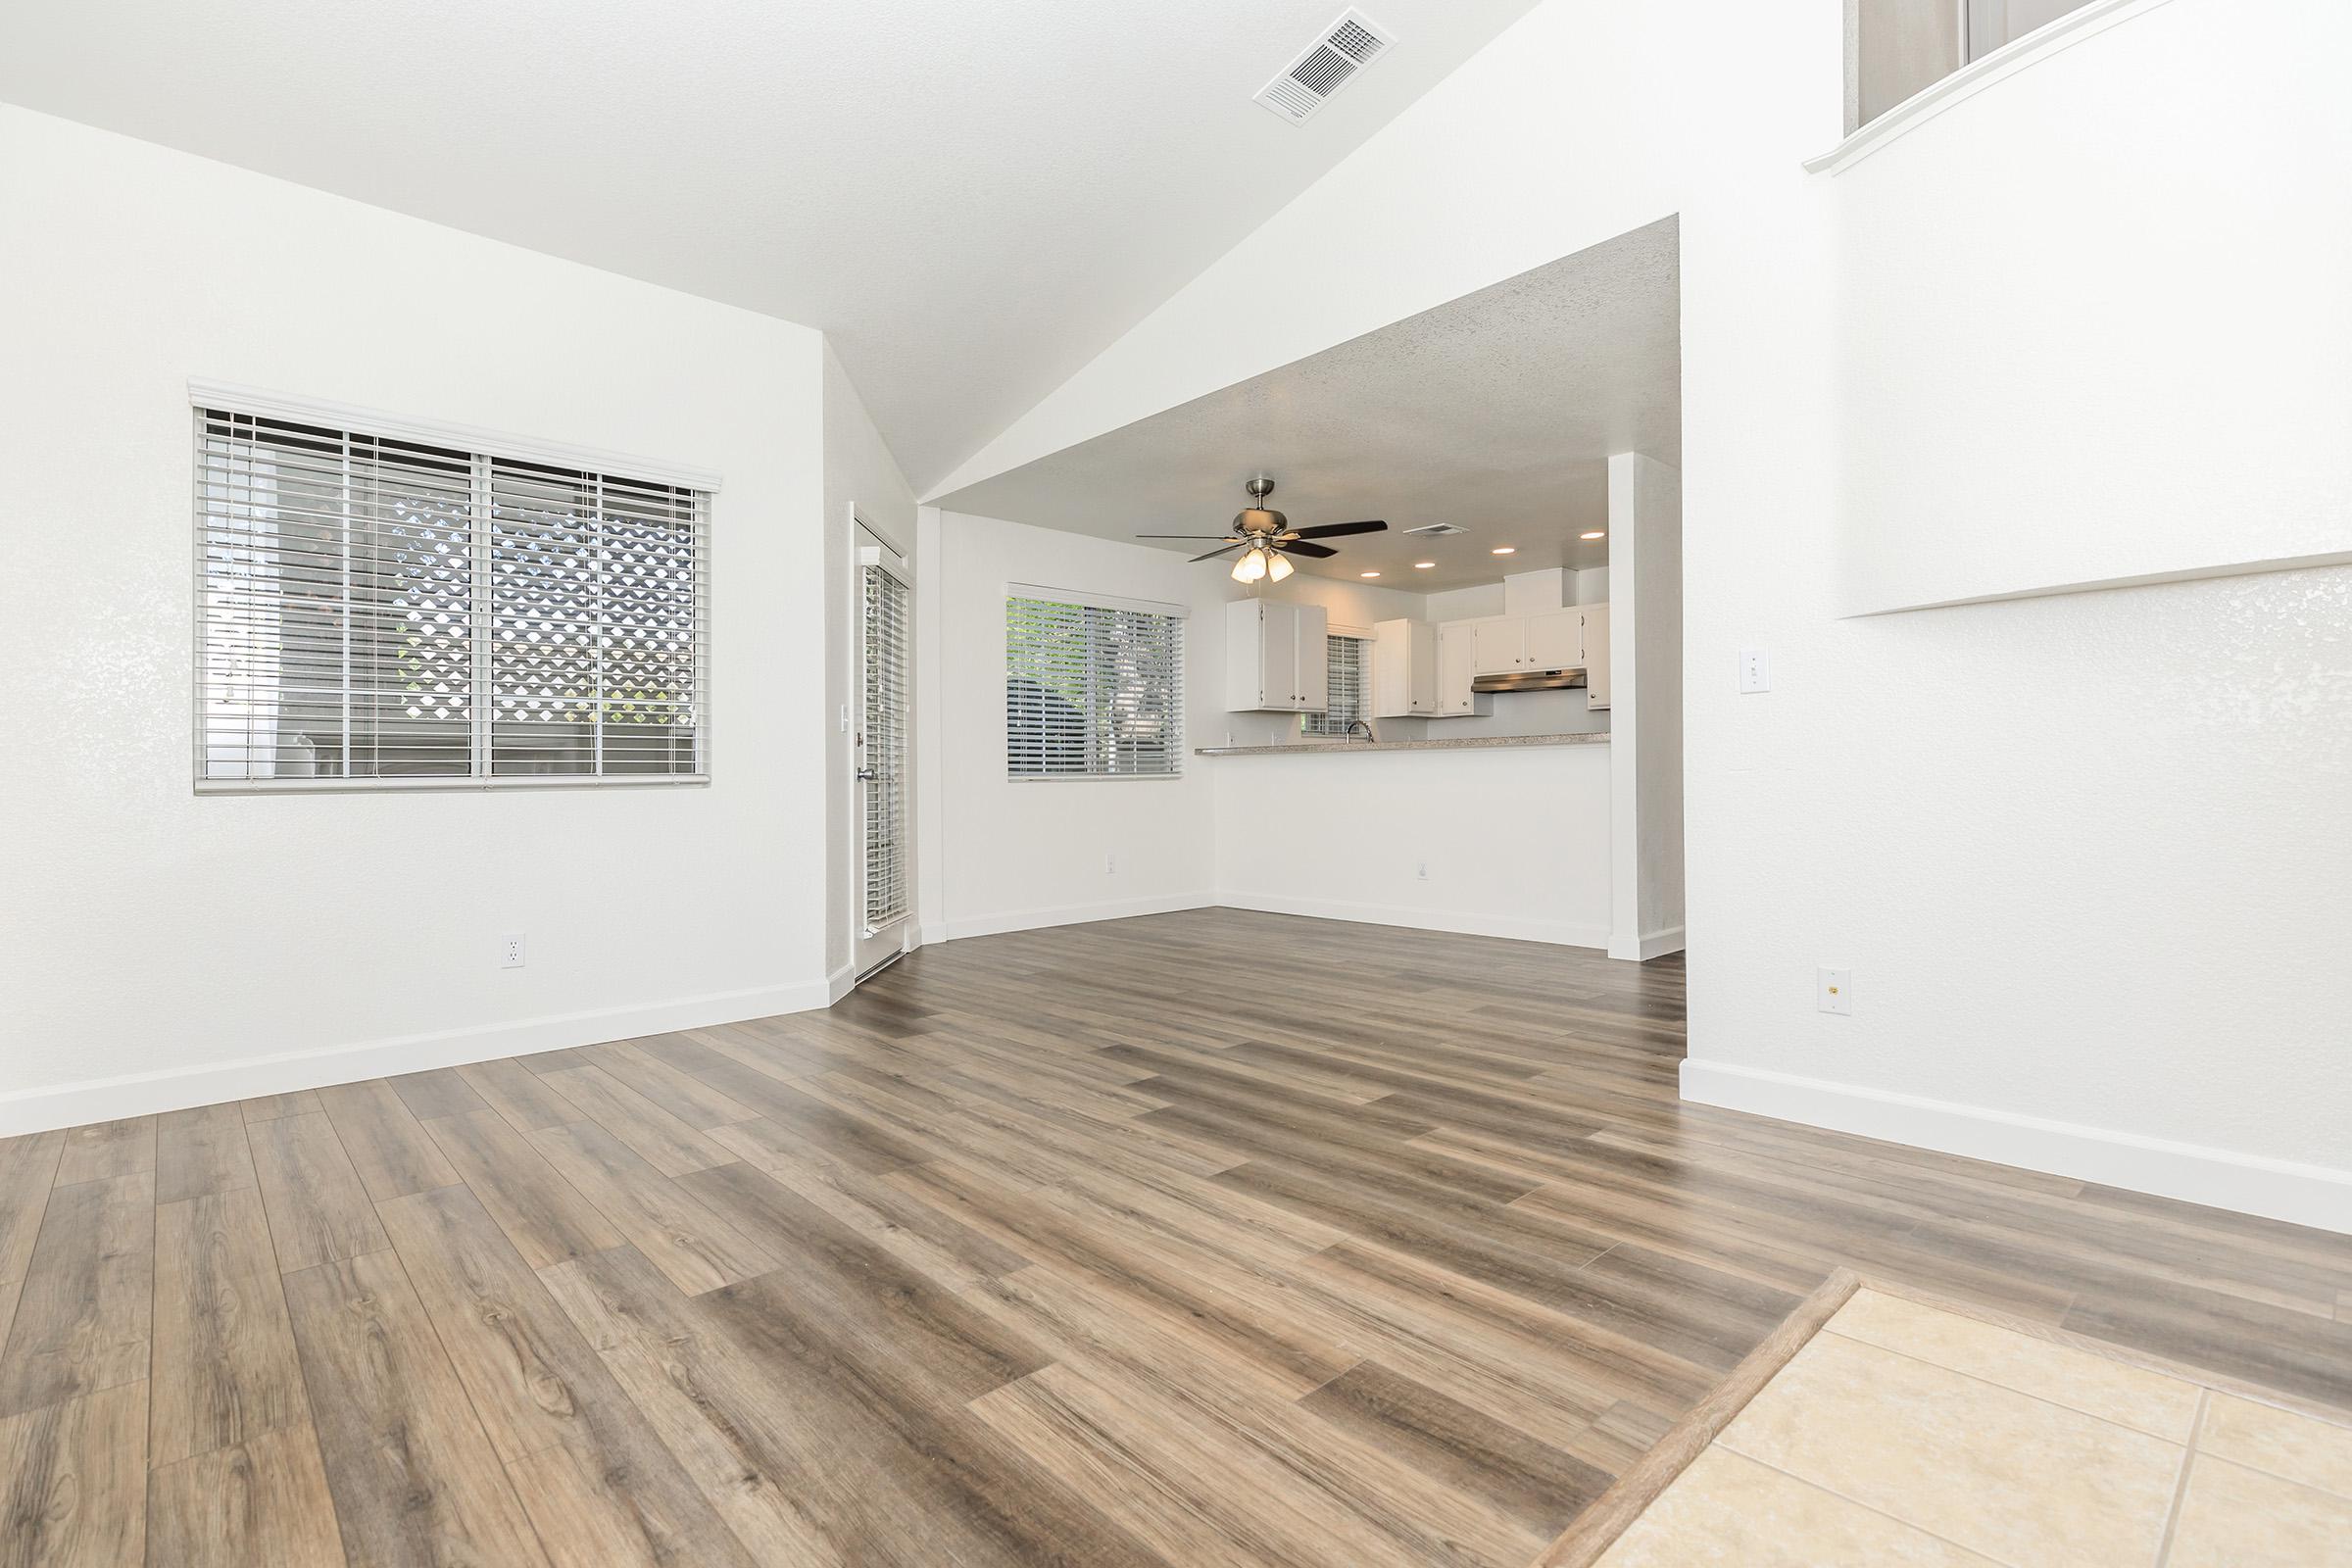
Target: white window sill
x,y
1977,76
402,786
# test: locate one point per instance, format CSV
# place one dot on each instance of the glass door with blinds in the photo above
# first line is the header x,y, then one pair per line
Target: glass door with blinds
x,y
885,656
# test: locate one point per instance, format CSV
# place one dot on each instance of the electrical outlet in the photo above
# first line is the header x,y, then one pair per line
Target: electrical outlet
x,y
1110,866
1834,991
509,951
1755,669
1421,871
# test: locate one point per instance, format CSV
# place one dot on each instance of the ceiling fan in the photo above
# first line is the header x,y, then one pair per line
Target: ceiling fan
x,y
1265,537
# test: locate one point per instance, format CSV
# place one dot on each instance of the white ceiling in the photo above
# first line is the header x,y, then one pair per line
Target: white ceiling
x,y
974,198
1496,411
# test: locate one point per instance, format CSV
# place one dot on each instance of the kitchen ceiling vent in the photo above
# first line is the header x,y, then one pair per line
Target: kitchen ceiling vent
x,y
1326,66
1434,530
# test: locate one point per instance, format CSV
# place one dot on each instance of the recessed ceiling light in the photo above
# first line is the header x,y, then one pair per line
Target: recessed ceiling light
x,y
1367,574
1506,550
1595,534
1423,566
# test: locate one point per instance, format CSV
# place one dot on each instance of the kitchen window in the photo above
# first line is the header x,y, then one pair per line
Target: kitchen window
x,y
1347,659
1094,687
378,610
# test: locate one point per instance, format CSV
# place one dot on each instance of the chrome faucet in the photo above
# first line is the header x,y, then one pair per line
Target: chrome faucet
x,y
1348,734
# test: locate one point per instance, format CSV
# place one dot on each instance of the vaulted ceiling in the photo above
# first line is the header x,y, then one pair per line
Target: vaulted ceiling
x,y
972,200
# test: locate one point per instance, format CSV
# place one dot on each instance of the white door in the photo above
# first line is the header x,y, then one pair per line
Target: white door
x,y
884,775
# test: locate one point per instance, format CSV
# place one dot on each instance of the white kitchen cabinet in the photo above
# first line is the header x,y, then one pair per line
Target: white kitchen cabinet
x,y
1512,644
1404,669
1597,656
1455,699
1498,645
1555,640
1275,660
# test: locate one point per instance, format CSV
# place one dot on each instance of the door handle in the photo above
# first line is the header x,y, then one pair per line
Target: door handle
x,y
866,772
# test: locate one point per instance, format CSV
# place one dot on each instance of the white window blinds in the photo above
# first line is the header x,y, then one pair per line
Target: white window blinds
x,y
1092,690
882,762
1345,657
376,611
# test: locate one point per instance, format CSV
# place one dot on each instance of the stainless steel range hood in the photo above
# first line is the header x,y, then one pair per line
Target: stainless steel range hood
x,y
1529,680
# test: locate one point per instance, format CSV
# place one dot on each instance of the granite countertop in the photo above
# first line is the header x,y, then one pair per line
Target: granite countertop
x,y
1468,742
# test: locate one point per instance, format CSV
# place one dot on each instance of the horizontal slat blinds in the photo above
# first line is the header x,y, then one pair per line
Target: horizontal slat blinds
x,y
1344,658
372,610
885,751
1091,691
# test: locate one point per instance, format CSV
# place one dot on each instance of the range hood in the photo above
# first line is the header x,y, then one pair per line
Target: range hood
x,y
1528,680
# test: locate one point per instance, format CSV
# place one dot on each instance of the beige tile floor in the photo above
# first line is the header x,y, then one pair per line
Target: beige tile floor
x,y
1905,1435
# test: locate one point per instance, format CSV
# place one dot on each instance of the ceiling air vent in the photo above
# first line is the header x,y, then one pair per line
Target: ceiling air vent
x,y
1434,530
1326,66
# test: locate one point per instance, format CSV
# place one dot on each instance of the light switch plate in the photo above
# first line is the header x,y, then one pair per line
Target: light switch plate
x,y
1755,670
1834,991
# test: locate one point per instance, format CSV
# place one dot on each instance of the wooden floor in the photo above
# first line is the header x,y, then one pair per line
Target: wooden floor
x,y
1201,1239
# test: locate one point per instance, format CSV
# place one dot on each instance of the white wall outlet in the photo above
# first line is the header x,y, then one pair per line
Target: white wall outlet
x,y
1755,669
1110,866
1421,871
509,951
845,719
1834,990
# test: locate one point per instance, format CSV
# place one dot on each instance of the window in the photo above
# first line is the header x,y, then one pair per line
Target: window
x,y
1901,48
1344,657
374,610
1092,689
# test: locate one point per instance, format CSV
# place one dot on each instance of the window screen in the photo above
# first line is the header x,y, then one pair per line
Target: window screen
x,y
1347,700
1091,691
375,611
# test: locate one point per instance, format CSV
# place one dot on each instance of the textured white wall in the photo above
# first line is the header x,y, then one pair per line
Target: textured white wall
x,y
2153,383
150,935
2085,855
1645,714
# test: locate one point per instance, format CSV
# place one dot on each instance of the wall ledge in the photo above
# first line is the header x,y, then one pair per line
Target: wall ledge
x,y
2317,1195
1974,78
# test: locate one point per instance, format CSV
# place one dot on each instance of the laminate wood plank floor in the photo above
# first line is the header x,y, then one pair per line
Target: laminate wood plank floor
x,y
1070,1246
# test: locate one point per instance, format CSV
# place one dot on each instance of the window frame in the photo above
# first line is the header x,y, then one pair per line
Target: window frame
x,y
1177,618
208,398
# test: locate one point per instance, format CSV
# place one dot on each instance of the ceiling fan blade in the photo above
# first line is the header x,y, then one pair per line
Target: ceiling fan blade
x,y
1185,536
1293,547
1332,530
1214,554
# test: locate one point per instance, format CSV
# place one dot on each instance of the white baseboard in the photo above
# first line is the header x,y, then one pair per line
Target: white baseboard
x,y
2251,1184
989,925
144,1093
1562,933
839,984
1653,945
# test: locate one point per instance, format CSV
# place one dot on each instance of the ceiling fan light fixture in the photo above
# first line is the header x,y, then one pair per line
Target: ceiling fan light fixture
x,y
1250,568
1278,566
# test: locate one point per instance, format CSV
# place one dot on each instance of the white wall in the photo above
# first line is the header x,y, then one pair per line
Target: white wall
x,y
2165,380
1645,694
860,473
1011,854
150,940
2085,855
1514,841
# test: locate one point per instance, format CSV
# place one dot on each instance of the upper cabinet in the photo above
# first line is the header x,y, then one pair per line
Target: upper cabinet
x,y
1275,660
1404,669
1455,658
1576,637
1509,645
